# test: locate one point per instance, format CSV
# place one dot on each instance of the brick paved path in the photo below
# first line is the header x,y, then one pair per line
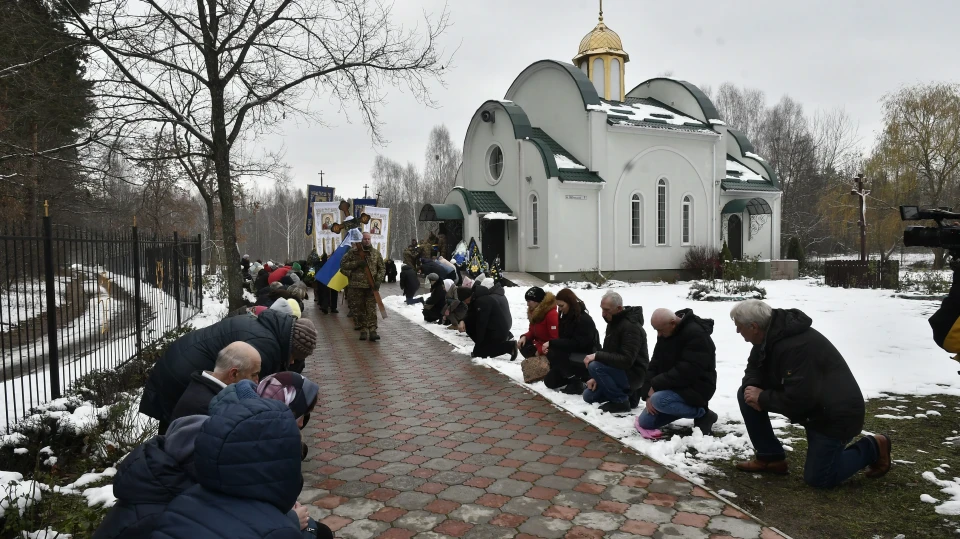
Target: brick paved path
x,y
411,440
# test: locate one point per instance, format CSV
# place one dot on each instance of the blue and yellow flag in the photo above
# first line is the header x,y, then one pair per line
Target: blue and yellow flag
x,y
330,273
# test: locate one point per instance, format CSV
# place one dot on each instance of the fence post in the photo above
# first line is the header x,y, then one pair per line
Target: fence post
x,y
176,272
137,314
198,269
52,351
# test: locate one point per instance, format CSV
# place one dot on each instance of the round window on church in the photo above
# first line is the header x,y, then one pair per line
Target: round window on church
x,y
495,161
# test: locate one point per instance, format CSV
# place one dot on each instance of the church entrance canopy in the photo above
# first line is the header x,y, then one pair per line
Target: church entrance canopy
x,y
441,212
757,210
754,206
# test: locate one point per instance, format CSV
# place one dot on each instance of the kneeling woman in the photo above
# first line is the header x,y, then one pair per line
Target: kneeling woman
x,y
578,337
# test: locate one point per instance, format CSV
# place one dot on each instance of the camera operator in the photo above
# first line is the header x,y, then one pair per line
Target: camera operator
x,y
946,321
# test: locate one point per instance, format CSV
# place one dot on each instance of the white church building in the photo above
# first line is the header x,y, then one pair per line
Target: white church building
x,y
570,172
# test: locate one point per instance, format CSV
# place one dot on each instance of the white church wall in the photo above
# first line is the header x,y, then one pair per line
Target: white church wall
x,y
573,228
757,243
685,163
552,101
534,257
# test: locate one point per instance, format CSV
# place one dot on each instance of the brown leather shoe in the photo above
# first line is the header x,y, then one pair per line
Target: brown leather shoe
x,y
883,463
778,467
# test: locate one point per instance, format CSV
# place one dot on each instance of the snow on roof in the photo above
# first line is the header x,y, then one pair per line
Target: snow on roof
x,y
737,171
752,155
647,112
717,122
497,216
565,162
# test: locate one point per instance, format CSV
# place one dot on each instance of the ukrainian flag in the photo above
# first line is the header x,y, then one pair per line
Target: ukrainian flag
x,y
330,274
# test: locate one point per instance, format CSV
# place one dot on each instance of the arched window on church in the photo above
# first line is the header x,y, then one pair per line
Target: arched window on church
x,y
636,220
598,76
534,220
615,79
686,220
662,212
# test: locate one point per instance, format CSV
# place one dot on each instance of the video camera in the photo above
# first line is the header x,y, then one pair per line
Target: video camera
x,y
943,236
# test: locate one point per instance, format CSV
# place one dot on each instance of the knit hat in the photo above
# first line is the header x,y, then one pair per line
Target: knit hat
x,y
294,307
290,388
296,266
259,309
303,339
464,292
246,257
433,277
488,283
535,294
467,282
282,306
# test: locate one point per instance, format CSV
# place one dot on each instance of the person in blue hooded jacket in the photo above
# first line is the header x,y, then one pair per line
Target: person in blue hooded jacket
x,y
150,477
247,458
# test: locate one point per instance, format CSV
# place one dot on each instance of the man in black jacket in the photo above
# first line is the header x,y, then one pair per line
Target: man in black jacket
x,y
617,371
795,371
410,284
682,377
237,361
282,341
488,322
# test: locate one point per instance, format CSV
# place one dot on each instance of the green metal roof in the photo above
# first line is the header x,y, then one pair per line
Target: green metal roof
x,y
550,148
754,206
483,201
742,140
441,212
735,185
516,114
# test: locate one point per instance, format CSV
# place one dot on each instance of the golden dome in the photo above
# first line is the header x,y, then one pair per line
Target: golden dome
x,y
601,40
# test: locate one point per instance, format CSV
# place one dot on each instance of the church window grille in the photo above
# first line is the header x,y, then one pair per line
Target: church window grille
x,y
687,217
662,212
635,220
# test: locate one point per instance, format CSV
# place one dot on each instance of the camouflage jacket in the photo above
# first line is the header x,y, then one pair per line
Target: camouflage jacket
x,y
352,266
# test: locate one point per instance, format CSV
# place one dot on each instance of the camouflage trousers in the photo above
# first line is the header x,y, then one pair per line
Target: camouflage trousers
x,y
364,307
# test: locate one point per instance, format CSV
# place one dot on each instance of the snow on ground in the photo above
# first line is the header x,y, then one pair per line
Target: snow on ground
x,y
877,333
24,300
47,533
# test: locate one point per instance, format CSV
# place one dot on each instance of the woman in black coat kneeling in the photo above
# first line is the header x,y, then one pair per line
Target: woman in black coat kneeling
x,y
578,337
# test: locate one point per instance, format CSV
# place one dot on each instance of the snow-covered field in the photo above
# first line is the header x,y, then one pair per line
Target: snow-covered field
x,y
886,341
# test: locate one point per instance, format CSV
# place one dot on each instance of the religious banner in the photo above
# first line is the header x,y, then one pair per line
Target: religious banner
x,y
379,228
360,203
327,214
315,194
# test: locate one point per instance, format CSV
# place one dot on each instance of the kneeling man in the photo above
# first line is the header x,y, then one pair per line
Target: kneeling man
x,y
682,377
795,371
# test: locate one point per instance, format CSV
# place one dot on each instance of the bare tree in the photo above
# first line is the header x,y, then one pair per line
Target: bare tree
x,y
221,69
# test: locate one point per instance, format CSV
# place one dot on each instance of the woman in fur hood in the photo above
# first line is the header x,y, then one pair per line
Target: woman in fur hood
x,y
544,322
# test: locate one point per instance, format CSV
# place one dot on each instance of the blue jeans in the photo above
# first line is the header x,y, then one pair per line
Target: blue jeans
x,y
612,384
829,460
670,407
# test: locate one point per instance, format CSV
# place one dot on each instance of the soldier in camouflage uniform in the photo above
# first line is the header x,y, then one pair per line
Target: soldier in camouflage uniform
x,y
360,295
349,223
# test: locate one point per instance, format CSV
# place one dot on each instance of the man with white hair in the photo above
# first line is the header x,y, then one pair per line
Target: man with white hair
x,y
617,371
795,371
682,377
237,361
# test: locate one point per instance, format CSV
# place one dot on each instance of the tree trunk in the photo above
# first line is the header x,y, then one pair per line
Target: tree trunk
x,y
228,215
211,234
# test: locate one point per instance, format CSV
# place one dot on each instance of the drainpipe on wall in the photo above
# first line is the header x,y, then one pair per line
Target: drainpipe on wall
x,y
600,232
713,222
521,237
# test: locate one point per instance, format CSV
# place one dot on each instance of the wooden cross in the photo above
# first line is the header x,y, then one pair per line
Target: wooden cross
x,y
365,187
321,178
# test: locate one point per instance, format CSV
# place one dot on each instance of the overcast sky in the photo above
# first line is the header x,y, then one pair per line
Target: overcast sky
x,y
824,53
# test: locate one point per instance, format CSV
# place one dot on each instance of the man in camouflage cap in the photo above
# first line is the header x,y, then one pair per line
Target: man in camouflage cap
x,y
363,304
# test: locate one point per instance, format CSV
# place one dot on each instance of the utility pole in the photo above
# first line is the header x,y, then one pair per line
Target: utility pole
x,y
861,193
321,178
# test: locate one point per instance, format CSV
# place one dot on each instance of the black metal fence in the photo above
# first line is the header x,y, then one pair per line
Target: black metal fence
x,y
75,301
858,274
